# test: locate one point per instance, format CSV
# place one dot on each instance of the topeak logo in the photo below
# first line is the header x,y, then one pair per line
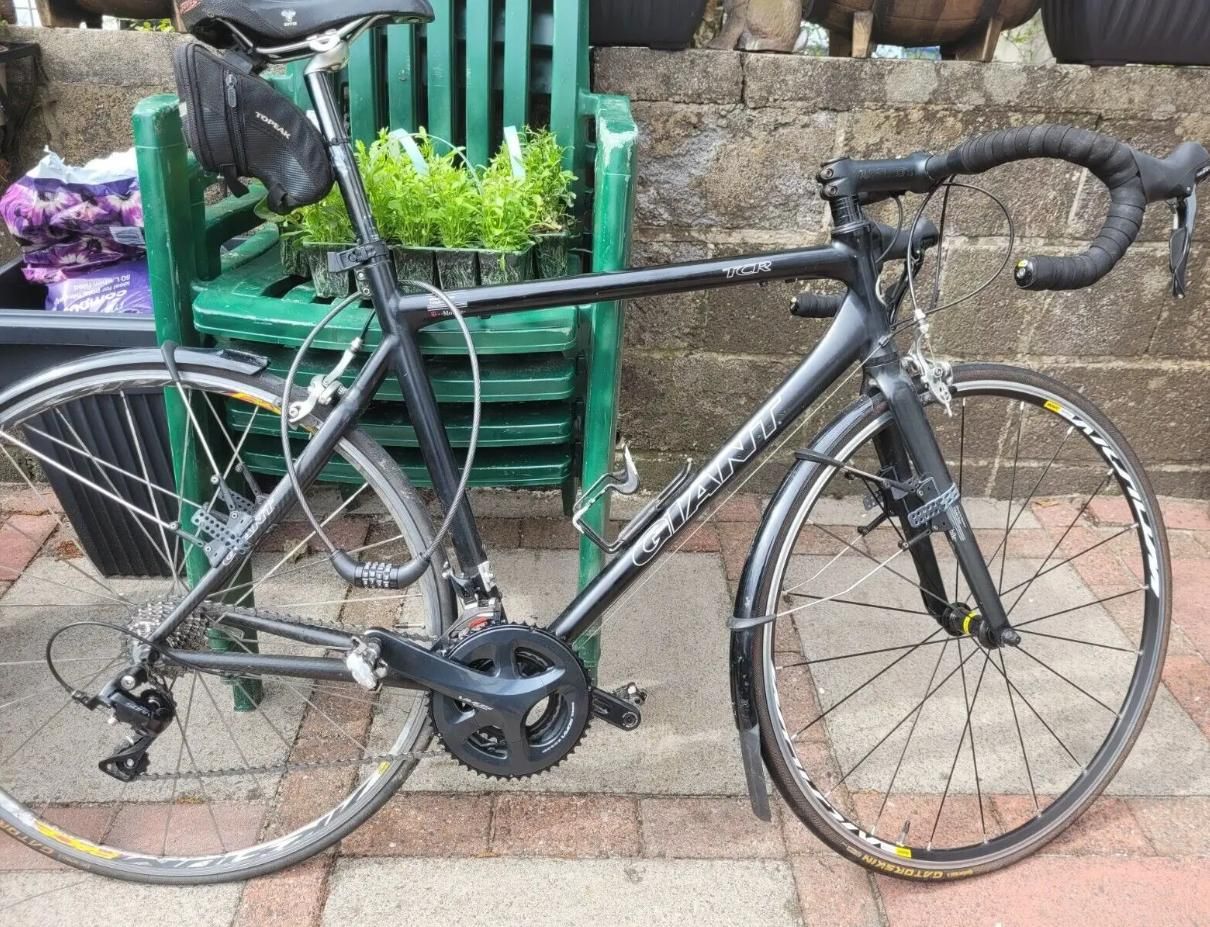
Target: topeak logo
x,y
269,122
288,17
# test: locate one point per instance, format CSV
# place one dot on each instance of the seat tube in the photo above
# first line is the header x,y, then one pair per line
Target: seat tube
x,y
919,439
406,361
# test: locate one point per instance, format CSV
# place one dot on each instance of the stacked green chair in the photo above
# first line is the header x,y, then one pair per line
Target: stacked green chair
x,y
550,377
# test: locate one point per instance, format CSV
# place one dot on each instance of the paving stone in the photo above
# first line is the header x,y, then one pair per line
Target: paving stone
x,y
707,828
52,899
20,539
669,635
834,892
19,497
185,829
1190,514
88,821
1108,892
1187,677
549,534
1191,602
556,893
799,838
1175,826
572,826
425,824
292,898
1108,828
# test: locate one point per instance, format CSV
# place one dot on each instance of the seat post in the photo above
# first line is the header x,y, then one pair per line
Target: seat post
x,y
319,84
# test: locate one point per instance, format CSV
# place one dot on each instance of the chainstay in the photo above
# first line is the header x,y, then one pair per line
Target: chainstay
x,y
212,614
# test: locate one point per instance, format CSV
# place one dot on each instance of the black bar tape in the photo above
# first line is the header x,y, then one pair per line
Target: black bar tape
x,y
1111,161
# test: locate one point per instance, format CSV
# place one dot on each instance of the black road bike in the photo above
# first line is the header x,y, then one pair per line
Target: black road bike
x,y
915,663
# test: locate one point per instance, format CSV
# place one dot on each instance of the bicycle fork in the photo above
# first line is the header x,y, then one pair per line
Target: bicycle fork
x,y
940,508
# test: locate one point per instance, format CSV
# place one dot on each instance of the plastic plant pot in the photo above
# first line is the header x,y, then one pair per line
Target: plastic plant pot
x,y
550,253
505,266
294,256
414,264
457,268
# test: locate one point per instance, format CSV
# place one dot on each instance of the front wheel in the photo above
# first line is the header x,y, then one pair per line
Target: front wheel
x,y
901,741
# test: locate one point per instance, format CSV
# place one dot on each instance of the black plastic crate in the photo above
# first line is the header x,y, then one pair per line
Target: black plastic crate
x,y
31,340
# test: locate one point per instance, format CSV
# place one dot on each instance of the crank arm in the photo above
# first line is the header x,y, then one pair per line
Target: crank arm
x,y
613,709
418,665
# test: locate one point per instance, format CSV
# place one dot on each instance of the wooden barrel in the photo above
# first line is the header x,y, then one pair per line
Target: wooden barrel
x,y
922,22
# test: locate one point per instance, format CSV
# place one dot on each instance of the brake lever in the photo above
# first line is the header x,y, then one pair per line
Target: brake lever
x,y
1184,219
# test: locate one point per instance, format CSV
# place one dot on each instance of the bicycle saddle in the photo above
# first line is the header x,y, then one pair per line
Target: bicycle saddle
x,y
277,22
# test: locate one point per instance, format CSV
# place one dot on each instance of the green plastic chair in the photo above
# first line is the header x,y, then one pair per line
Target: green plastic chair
x,y
550,377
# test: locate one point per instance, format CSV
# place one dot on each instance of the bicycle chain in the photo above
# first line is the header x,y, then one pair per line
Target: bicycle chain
x,y
273,769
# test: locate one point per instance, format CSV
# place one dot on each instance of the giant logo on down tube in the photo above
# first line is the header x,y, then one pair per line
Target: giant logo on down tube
x,y
741,449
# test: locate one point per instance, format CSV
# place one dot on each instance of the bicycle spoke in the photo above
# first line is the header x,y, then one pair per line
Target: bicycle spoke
x,y
1008,511
1062,537
1074,685
99,465
885,669
865,653
1020,738
974,759
1029,498
1076,608
966,728
1086,550
828,598
898,724
911,731
890,570
174,564
874,605
1076,640
1028,704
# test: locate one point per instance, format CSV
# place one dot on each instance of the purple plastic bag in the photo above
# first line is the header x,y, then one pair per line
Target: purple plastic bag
x,y
118,288
71,220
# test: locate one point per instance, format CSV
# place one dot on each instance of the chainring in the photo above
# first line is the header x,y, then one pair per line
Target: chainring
x,y
501,744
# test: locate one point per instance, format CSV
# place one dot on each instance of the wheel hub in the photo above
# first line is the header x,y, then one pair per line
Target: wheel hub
x,y
514,738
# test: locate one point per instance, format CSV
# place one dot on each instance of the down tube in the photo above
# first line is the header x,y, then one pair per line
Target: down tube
x,y
839,347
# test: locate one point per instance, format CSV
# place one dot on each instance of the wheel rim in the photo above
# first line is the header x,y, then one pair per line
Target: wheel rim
x,y
203,827
996,813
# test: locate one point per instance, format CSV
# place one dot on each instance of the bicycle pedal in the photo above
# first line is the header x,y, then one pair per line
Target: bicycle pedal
x,y
619,711
631,693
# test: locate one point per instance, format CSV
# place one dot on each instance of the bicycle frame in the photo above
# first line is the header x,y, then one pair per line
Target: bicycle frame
x,y
860,332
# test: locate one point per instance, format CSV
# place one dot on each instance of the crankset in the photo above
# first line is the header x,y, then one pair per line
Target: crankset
x,y
536,706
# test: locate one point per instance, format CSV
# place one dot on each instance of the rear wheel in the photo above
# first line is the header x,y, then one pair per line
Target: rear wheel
x,y
250,775
901,741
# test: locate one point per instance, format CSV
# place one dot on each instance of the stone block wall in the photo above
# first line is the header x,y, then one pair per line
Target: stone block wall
x,y
730,145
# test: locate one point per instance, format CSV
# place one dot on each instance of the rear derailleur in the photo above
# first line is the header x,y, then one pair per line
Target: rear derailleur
x,y
145,706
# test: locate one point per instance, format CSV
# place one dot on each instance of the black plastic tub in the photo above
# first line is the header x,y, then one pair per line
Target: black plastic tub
x,y
1128,31
654,23
32,340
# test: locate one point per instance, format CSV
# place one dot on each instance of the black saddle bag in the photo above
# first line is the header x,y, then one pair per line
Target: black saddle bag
x,y
239,126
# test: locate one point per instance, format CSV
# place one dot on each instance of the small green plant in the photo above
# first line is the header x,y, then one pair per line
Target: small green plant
x,y
154,25
511,207
456,191
448,203
547,180
325,222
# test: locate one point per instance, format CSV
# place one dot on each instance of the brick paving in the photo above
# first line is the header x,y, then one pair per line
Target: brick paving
x,y
652,859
